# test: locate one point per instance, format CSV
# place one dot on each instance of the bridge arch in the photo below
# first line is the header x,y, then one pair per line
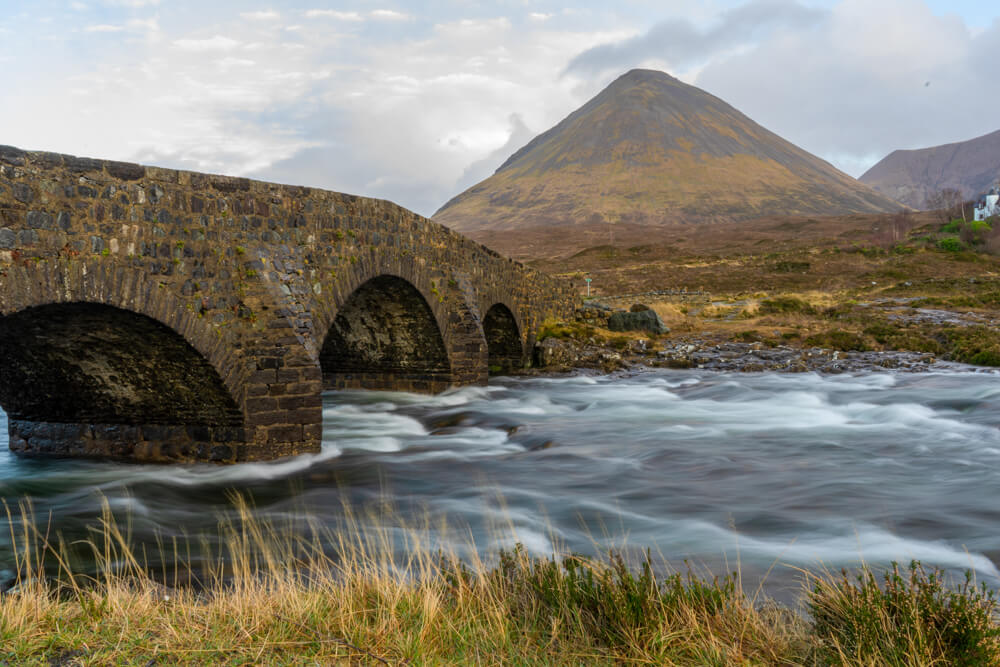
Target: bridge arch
x,y
411,330
384,336
96,361
504,343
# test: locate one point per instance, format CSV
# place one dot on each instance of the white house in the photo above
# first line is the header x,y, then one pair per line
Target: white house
x,y
988,205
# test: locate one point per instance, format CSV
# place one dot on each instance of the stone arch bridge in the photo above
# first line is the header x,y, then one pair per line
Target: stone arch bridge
x,y
162,315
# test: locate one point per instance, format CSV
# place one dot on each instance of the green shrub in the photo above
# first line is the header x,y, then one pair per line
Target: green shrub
x,y
974,345
978,226
953,227
950,244
913,618
838,339
605,600
899,338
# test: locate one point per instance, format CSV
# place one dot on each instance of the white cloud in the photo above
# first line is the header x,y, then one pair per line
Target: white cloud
x,y
388,15
264,15
104,27
216,43
334,14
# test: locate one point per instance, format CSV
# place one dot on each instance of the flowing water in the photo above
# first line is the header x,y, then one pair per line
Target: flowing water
x,y
756,471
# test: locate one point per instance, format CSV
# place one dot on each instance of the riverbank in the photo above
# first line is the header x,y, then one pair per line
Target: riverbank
x,y
814,332
283,600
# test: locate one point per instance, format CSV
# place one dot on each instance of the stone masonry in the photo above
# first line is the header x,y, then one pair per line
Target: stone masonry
x,y
163,315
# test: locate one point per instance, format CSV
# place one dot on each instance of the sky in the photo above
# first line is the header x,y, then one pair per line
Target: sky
x,y
414,102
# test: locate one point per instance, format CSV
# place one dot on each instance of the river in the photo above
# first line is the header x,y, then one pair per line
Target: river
x,y
767,472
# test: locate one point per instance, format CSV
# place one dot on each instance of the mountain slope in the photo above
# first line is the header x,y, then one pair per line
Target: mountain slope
x,y
652,150
911,176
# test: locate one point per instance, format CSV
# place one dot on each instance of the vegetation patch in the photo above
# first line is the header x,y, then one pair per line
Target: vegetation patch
x,y
838,339
785,304
973,345
911,618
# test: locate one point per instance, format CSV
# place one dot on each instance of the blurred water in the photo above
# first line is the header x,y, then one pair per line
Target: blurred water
x,y
754,470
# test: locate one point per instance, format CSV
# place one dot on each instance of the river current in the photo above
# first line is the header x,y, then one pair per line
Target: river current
x,y
770,473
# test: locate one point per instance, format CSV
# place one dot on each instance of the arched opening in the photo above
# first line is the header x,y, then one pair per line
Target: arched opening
x,y
385,337
503,340
85,379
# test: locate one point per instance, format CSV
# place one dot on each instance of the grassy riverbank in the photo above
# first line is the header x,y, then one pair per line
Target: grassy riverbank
x,y
269,598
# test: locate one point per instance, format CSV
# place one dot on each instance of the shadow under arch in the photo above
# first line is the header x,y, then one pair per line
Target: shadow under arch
x,y
88,379
385,336
503,340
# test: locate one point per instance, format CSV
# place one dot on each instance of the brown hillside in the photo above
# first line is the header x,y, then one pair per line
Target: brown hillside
x,y
912,176
651,150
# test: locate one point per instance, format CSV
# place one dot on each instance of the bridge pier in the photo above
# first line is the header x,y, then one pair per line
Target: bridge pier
x,y
159,315
153,443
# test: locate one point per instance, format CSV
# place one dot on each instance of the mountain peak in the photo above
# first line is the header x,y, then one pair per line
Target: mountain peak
x,y
913,176
652,149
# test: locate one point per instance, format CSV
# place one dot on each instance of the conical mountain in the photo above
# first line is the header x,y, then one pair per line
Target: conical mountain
x,y
913,176
652,150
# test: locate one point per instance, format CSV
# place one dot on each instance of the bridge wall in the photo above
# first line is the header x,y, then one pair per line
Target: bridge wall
x,y
252,276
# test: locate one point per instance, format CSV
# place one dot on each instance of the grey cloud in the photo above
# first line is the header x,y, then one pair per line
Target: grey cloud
x,y
681,43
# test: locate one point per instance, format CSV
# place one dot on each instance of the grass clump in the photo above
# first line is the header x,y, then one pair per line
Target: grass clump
x,y
912,618
978,345
632,614
838,339
565,330
785,304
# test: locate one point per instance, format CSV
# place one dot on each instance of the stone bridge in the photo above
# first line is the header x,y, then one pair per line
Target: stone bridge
x,y
162,315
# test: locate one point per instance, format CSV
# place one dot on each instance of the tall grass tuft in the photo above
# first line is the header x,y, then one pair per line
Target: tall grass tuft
x,y
912,618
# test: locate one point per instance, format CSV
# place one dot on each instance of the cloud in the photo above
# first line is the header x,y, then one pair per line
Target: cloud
x,y
104,27
264,15
680,43
519,135
216,43
334,14
389,15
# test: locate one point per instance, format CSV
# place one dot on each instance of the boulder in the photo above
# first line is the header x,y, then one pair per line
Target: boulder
x,y
645,320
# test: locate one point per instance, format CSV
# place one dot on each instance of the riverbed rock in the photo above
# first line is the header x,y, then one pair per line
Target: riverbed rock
x,y
644,320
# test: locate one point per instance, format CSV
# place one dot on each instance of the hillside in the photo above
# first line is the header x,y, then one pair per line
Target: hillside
x,y
651,150
910,176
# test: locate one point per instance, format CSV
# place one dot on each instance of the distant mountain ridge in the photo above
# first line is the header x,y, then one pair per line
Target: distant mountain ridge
x,y
652,150
911,176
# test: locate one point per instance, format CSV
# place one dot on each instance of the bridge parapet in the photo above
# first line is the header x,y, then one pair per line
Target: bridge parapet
x,y
133,297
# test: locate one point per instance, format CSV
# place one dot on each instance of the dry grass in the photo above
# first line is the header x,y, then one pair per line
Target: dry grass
x,y
276,597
